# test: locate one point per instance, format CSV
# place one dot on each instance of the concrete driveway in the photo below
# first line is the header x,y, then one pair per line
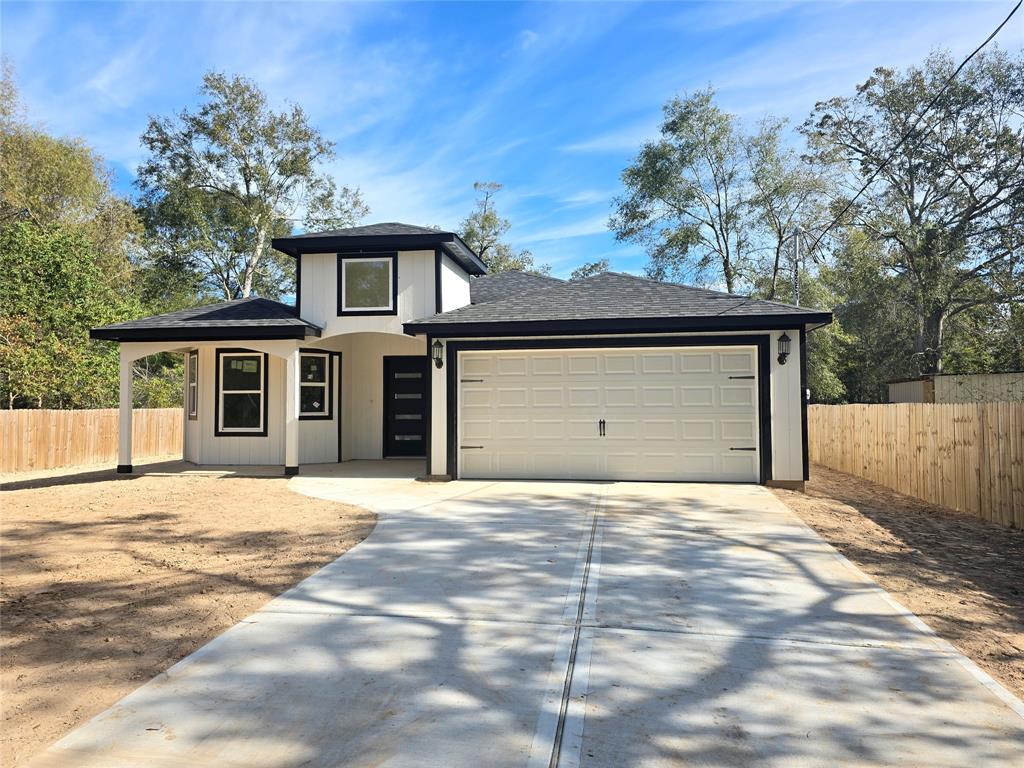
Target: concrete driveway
x,y
590,624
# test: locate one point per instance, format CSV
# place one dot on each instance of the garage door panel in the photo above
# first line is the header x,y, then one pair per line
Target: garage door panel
x,y
669,414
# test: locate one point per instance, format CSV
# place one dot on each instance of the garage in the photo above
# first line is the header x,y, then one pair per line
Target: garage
x,y
621,413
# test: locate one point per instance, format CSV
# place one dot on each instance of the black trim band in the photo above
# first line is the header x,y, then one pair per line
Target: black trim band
x,y
124,469
290,471
209,333
502,328
761,341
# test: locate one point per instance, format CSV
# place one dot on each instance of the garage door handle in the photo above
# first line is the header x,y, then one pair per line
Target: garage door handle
x,y
600,428
477,381
741,377
466,447
743,449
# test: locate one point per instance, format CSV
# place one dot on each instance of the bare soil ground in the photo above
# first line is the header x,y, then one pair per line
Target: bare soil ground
x,y
109,579
963,576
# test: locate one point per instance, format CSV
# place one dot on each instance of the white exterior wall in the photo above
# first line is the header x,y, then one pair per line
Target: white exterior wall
x,y
786,414
319,294
204,447
454,285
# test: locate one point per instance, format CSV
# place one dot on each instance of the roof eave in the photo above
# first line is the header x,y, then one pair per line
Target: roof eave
x,y
621,325
208,333
449,242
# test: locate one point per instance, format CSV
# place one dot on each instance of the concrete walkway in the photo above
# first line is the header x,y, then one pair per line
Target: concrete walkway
x,y
615,624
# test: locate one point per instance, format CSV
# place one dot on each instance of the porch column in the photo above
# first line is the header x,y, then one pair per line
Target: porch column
x,y
291,413
124,422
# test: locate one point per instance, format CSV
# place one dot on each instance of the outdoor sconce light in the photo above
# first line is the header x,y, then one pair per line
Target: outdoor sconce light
x,y
783,348
437,353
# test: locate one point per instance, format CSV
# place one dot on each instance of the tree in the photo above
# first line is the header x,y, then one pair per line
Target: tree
x,y
787,196
484,229
224,179
51,181
686,196
56,288
590,268
948,209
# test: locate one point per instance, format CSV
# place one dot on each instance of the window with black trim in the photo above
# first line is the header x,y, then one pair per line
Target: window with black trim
x,y
315,385
367,284
192,385
241,393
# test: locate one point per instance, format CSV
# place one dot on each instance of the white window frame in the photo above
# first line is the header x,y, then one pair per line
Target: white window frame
x,y
387,308
262,392
325,384
192,386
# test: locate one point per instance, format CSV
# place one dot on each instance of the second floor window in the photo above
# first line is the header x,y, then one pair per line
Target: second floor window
x,y
367,285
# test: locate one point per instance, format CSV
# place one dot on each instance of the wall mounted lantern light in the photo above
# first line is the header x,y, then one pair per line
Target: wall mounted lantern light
x,y
783,348
437,353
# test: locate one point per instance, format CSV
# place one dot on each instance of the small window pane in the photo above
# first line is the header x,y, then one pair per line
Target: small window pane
x,y
241,373
367,283
192,400
313,368
241,411
313,400
193,367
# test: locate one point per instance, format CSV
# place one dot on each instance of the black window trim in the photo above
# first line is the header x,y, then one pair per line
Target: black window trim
x,y
328,385
192,367
344,256
234,432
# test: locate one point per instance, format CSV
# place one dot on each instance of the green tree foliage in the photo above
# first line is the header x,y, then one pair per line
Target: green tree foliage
x,y
712,202
590,268
56,288
948,209
221,181
484,230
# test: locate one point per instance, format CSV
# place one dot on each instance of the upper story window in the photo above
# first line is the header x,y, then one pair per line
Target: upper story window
x,y
368,284
192,390
315,392
241,393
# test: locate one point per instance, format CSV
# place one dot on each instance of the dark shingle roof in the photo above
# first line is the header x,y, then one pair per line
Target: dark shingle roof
x,y
504,284
613,301
391,235
252,318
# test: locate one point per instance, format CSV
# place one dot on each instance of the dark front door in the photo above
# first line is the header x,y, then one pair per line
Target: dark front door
x,y
405,405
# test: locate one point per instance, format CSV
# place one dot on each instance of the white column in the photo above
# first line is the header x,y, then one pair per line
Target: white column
x,y
124,424
291,414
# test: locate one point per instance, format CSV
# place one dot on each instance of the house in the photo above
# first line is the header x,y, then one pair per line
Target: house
x,y
959,388
400,345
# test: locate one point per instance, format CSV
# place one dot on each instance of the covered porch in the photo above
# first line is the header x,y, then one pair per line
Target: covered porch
x,y
277,394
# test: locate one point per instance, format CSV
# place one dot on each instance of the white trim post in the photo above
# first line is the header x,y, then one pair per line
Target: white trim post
x,y
124,421
291,413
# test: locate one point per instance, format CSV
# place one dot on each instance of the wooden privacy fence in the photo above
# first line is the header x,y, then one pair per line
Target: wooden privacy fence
x,y
966,456
41,439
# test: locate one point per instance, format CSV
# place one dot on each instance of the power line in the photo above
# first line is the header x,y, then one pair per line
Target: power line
x,y
910,130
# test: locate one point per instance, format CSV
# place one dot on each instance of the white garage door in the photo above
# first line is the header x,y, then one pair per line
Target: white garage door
x,y
687,413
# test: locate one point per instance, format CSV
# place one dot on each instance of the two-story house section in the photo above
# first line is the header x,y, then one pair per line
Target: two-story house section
x,y
400,345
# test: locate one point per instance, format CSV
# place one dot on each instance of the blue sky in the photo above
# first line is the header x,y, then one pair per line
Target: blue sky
x,y
423,99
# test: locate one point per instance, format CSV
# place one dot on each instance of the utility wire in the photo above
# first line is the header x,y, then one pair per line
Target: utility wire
x,y
910,130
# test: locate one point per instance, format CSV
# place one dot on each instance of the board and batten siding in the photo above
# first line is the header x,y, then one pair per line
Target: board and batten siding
x,y
318,438
416,295
786,394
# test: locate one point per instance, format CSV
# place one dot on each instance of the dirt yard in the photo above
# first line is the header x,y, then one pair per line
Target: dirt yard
x,y
963,576
107,580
